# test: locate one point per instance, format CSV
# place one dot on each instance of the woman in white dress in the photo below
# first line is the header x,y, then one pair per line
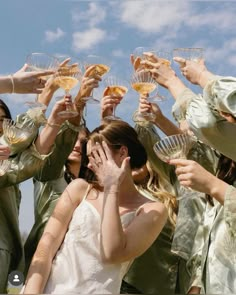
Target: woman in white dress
x,y
97,229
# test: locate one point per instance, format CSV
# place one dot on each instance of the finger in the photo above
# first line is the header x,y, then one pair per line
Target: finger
x,y
101,152
23,69
150,56
111,100
137,63
64,62
150,64
89,70
95,153
125,164
180,60
42,73
107,150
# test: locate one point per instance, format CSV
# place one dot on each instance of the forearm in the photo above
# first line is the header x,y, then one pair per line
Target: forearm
x,y
40,267
217,189
6,85
204,77
46,96
37,277
112,235
46,138
166,126
175,86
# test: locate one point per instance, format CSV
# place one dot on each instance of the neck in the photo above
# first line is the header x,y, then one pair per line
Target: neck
x,y
74,168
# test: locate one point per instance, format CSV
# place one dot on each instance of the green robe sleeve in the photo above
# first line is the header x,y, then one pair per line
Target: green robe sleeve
x,y
64,144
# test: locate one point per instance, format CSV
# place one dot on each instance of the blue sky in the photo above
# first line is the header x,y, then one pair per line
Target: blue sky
x,y
112,29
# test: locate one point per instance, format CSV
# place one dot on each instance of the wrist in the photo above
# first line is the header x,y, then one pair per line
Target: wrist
x,y
113,189
204,78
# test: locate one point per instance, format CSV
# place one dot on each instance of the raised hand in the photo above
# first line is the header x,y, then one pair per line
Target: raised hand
x,y
107,104
29,82
191,69
88,83
110,174
193,175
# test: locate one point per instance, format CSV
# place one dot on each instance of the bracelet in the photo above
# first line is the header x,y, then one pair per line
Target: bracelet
x,y
53,124
12,83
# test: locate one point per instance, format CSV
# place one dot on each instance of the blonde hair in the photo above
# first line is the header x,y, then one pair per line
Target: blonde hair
x,y
160,189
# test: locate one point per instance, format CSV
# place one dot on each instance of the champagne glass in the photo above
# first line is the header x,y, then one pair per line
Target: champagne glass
x,y
102,66
115,87
14,134
4,166
163,57
144,84
174,147
67,77
38,61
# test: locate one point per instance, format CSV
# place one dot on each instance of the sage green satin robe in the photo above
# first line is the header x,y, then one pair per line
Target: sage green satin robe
x,y
25,162
202,114
162,268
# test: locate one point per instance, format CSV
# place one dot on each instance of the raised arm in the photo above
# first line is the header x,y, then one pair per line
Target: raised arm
x,y
23,82
161,121
120,244
195,72
53,236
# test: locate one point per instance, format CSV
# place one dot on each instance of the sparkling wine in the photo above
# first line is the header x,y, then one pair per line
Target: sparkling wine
x,y
99,69
117,90
143,87
13,137
66,82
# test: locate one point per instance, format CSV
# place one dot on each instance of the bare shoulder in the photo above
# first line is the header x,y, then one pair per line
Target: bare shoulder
x,y
157,208
77,189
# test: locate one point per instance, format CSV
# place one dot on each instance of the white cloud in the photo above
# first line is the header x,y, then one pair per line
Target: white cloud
x,y
222,20
94,15
51,36
118,53
87,39
154,17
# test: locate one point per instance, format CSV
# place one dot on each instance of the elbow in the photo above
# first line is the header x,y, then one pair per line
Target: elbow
x,y
43,251
112,256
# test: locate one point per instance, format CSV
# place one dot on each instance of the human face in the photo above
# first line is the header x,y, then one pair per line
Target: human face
x,y
117,155
139,175
2,116
75,155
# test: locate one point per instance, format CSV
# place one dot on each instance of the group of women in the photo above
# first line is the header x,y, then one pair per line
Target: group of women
x,y
110,216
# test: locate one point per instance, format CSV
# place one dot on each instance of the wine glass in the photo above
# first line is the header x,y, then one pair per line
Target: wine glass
x,y
115,87
102,66
4,166
143,83
14,134
174,147
39,61
67,77
194,54
163,57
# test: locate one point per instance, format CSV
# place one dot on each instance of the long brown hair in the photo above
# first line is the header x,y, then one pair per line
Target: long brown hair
x,y
115,134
